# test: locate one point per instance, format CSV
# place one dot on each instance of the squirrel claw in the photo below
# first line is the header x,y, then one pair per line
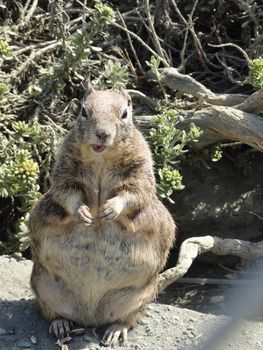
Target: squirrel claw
x,y
111,209
83,215
60,328
114,334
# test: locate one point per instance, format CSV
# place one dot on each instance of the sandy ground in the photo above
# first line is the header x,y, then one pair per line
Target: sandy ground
x,y
164,327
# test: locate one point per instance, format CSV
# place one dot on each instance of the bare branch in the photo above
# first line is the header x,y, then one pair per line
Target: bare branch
x,y
31,11
189,25
140,41
192,247
142,96
253,104
131,44
182,53
153,34
218,124
31,58
248,60
229,124
188,85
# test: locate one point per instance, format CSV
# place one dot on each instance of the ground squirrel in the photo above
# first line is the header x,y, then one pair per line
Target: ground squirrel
x,y
100,235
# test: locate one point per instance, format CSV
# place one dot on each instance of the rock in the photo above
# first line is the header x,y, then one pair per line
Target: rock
x,y
24,345
33,339
143,322
10,331
216,299
2,331
9,315
27,312
90,339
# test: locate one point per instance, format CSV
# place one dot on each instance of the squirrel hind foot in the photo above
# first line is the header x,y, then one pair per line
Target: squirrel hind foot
x,y
61,328
116,333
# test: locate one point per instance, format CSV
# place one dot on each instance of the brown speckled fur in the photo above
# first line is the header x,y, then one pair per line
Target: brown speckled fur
x,y
107,271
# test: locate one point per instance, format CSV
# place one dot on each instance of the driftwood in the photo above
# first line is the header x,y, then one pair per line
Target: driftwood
x,y
188,85
253,104
222,117
219,123
227,123
192,247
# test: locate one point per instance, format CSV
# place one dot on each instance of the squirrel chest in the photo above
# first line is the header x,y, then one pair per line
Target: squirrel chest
x,y
100,180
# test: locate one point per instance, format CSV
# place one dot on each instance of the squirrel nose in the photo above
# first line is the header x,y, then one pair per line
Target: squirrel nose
x,y
102,134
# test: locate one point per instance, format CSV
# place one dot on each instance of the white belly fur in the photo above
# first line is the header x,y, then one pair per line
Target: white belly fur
x,y
89,267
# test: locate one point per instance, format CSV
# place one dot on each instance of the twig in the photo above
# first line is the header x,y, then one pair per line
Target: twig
x,y
139,40
131,44
231,144
248,60
84,6
153,34
56,126
189,25
255,214
32,57
229,73
32,47
31,11
182,53
145,98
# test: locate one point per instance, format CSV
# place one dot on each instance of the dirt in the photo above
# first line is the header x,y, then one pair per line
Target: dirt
x,y
164,326
221,198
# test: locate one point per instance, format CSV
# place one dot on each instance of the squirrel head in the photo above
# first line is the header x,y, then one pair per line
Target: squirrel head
x,y
105,118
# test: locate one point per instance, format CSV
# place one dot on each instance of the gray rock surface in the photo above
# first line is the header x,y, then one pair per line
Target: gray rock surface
x,y
164,326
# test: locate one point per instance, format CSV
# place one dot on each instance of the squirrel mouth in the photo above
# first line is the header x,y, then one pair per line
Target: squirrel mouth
x,y
98,148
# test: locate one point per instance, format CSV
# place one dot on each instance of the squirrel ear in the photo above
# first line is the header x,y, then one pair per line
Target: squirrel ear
x,y
88,87
127,96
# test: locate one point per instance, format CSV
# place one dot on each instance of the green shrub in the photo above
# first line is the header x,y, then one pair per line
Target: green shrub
x,y
256,73
24,153
5,49
169,146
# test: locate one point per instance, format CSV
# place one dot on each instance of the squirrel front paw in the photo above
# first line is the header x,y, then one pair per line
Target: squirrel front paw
x,y
111,209
83,215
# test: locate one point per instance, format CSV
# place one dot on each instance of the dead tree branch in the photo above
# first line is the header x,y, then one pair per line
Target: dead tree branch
x,y
236,47
188,85
253,104
32,58
219,123
197,42
195,246
182,53
130,42
147,100
153,33
228,124
127,31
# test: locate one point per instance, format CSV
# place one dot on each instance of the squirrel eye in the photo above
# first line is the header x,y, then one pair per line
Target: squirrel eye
x,y
124,114
84,113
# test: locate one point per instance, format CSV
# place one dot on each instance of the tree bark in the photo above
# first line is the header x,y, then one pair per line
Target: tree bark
x,y
219,123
